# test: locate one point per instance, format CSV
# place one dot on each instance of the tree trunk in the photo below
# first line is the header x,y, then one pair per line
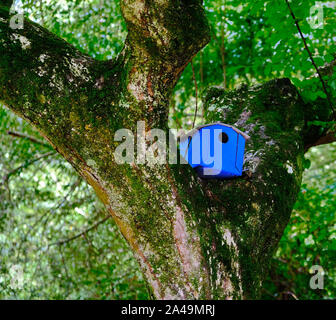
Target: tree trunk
x,y
194,239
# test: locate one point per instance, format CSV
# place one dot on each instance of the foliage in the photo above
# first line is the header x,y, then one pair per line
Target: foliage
x,y
45,201
310,237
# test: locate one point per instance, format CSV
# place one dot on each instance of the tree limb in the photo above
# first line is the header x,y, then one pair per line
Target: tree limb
x,y
163,37
329,137
172,30
42,77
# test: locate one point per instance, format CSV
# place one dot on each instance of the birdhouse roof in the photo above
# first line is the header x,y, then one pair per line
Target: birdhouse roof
x,y
192,132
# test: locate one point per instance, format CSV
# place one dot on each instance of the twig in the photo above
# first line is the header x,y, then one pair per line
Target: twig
x,y
177,120
64,263
194,78
222,49
47,214
195,115
42,13
58,243
191,115
202,78
30,138
291,294
25,165
311,58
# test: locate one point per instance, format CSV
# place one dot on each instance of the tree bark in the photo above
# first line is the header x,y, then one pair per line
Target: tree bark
x,y
194,239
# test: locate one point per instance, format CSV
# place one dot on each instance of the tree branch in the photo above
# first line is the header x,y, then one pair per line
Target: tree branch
x,y
163,37
172,30
58,243
312,59
320,111
25,165
328,137
42,77
313,136
6,3
196,95
30,138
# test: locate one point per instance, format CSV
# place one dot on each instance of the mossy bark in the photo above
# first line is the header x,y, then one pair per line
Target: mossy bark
x,y
194,239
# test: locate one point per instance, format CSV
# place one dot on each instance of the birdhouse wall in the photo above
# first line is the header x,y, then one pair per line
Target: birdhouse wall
x,y
215,151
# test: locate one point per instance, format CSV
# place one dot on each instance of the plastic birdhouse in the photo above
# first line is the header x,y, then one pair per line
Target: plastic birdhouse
x,y
215,150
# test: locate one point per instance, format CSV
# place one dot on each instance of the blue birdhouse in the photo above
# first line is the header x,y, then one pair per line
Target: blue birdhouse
x,y
215,150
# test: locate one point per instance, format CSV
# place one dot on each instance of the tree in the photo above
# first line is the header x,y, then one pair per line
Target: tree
x,y
193,238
